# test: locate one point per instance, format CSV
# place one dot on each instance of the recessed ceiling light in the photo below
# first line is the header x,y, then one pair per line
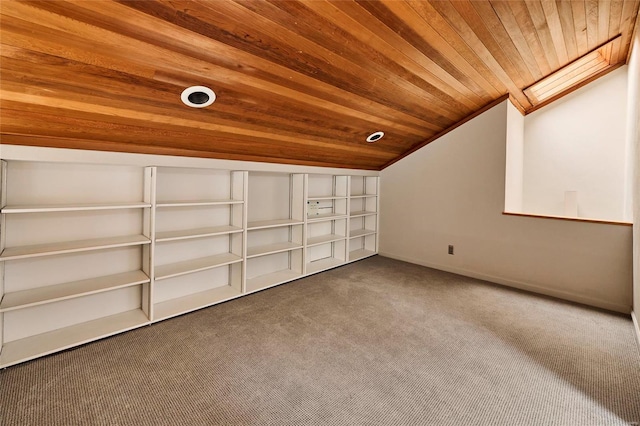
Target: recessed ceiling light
x,y
375,136
198,96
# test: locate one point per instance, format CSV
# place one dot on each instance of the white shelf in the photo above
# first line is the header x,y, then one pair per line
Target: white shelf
x,y
22,252
272,248
195,265
364,196
323,239
360,254
360,233
361,213
323,264
263,224
196,233
54,293
196,203
325,217
272,279
56,340
192,302
329,197
48,208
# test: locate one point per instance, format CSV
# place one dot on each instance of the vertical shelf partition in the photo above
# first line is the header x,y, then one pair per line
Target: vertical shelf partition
x,y
88,251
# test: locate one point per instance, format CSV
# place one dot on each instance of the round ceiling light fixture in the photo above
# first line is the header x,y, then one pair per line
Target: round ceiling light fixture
x,y
373,137
198,96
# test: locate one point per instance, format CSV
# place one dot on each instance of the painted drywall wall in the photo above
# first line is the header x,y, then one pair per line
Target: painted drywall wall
x,y
633,139
578,144
514,169
452,192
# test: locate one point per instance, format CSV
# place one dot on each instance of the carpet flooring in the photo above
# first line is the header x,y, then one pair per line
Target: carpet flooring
x,y
376,342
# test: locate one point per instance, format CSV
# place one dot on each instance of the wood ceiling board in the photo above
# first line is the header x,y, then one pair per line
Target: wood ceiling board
x,y
457,51
79,107
527,27
298,82
591,12
450,13
629,23
321,63
305,59
397,49
101,119
552,19
523,46
495,26
604,11
565,15
541,26
615,17
114,92
196,69
400,18
84,131
193,79
578,11
345,41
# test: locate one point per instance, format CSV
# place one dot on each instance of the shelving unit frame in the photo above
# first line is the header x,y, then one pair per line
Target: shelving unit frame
x,y
278,234
364,205
326,231
224,229
3,231
265,248
37,332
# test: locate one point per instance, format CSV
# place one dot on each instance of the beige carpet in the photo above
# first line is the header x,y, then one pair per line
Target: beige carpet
x,y
377,342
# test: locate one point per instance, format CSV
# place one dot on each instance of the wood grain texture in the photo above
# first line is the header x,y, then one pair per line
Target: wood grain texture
x,y
297,82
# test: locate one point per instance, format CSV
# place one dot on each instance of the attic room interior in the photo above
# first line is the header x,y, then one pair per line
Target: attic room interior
x,y
253,212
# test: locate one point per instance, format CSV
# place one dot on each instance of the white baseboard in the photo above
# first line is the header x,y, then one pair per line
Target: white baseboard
x,y
636,327
573,297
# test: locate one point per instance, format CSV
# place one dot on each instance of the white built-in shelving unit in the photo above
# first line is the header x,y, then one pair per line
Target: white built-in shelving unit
x,y
274,229
363,217
327,201
88,251
198,238
75,255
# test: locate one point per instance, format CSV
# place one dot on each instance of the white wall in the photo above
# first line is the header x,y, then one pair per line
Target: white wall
x,y
578,144
452,192
514,169
633,138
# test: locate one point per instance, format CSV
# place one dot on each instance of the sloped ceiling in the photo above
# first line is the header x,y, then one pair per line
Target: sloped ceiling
x,y
300,82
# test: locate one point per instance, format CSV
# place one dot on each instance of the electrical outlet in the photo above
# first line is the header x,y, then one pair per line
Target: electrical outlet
x,y
450,249
312,208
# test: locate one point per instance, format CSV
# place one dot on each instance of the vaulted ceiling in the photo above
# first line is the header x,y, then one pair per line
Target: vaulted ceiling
x,y
299,82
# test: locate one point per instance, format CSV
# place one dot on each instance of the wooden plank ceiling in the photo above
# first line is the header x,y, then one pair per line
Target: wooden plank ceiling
x,y
299,82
